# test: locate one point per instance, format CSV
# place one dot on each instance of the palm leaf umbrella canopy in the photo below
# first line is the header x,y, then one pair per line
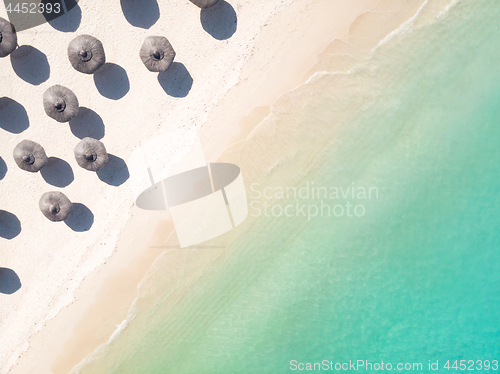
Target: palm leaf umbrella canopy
x,y
157,53
55,206
8,38
204,3
86,54
60,103
91,154
30,156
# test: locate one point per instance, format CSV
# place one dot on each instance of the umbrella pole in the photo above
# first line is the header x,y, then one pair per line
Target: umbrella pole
x,y
165,196
153,184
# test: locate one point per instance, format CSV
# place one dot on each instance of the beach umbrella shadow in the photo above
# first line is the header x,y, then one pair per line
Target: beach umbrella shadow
x,y
87,124
68,22
176,81
112,81
115,172
13,116
57,172
10,226
81,218
141,13
30,64
9,281
3,168
220,20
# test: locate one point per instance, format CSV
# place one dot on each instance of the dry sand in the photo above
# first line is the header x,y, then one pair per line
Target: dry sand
x,y
78,286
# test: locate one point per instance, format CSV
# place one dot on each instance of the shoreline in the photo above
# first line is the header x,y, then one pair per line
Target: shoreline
x,y
103,299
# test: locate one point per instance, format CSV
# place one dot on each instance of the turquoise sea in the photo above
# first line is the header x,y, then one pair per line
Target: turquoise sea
x,y
414,279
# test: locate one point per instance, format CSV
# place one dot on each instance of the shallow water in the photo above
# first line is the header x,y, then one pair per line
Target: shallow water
x,y
412,279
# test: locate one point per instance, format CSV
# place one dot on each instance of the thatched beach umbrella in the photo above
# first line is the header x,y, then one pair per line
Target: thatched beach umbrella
x,y
8,38
157,53
30,156
86,54
60,103
204,3
91,154
55,206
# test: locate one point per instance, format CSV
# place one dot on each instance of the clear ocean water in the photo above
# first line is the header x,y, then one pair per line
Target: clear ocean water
x,y
415,278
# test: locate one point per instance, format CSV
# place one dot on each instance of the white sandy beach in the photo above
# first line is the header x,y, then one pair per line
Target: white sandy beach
x,y
78,286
